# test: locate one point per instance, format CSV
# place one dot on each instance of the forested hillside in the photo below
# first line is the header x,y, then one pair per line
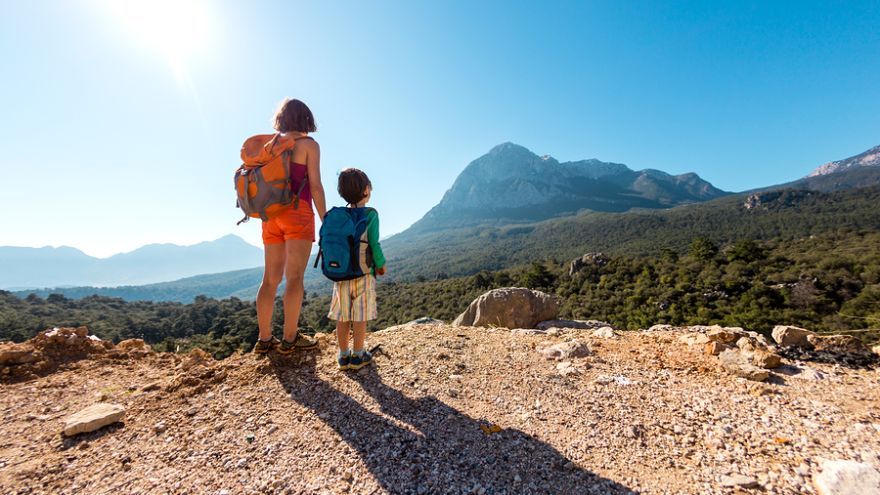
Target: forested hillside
x,y
824,282
786,215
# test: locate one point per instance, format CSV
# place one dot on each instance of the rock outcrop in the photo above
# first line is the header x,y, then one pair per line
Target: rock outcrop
x,y
596,260
510,307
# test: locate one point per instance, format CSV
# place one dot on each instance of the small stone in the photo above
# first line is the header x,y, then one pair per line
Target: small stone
x,y
151,386
160,427
739,480
249,438
192,411
604,333
565,368
715,348
567,350
517,478
272,429
93,418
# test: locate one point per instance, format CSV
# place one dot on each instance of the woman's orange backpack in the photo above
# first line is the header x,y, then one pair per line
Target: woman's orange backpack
x,y
263,182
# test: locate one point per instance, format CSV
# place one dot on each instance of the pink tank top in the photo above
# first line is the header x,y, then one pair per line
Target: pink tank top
x,y
297,176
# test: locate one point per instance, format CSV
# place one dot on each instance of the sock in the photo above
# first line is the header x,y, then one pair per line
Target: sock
x,y
344,353
359,353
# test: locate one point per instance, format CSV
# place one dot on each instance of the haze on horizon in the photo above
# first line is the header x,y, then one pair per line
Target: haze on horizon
x,y
125,118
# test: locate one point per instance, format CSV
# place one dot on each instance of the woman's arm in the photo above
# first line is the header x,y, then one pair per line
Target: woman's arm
x,y
313,164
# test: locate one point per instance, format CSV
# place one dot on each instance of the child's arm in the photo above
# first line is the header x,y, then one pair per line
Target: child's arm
x,y
373,240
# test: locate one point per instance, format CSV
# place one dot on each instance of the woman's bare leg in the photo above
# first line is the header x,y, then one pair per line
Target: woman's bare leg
x,y
275,258
294,270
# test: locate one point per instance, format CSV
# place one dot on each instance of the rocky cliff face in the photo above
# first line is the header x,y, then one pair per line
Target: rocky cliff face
x,y
870,158
512,183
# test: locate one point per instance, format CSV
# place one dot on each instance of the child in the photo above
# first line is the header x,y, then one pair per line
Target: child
x,y
354,301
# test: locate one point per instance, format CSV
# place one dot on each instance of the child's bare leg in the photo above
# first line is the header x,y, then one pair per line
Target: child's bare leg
x,y
342,330
360,334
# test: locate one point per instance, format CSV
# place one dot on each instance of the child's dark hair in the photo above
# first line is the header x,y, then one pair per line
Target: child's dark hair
x,y
294,116
352,183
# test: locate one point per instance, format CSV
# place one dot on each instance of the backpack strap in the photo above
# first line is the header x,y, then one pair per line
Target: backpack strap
x,y
289,164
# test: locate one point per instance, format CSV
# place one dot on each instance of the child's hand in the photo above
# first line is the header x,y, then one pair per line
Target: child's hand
x,y
380,271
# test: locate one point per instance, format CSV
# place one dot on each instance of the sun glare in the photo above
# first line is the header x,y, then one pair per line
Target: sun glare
x,y
176,30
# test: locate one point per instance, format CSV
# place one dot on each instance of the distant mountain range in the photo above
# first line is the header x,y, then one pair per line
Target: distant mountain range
x,y
25,268
507,207
512,184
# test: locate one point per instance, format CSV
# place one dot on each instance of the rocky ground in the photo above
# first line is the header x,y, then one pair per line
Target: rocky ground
x,y
443,410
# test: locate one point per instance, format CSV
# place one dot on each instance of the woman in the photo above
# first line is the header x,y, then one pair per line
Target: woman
x,y
288,237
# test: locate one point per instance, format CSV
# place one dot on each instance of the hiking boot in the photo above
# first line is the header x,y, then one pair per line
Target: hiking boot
x,y
302,342
358,361
344,362
264,346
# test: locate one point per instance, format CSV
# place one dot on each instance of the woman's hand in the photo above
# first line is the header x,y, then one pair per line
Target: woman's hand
x,y
380,271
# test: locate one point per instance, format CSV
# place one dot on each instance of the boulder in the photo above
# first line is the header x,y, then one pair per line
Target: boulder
x,y
511,307
13,354
567,350
131,344
758,354
787,335
93,418
715,348
734,363
838,344
846,478
723,335
577,324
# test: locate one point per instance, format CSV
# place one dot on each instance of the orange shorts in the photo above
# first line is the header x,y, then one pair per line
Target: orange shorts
x,y
291,224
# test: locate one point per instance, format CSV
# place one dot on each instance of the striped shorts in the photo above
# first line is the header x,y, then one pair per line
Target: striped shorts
x,y
354,300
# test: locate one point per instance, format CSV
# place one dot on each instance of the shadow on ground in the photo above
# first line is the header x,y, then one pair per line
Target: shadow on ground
x,y
423,445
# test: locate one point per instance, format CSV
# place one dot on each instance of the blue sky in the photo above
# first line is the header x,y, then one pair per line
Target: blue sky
x,y
125,123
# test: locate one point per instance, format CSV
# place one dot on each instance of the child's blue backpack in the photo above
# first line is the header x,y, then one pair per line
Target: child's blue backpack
x,y
343,248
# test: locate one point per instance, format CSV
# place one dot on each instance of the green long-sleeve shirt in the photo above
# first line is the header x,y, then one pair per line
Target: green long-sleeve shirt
x,y
373,239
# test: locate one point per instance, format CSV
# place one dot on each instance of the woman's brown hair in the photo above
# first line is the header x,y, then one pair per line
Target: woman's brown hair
x,y
294,116
352,184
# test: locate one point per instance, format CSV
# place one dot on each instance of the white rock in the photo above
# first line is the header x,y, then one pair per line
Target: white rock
x,y
847,478
604,333
93,418
566,350
739,480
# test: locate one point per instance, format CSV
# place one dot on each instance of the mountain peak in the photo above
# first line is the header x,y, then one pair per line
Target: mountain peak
x,y
511,183
869,158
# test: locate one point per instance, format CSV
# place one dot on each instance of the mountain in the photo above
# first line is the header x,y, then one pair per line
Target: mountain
x,y
242,284
22,268
512,184
862,170
870,158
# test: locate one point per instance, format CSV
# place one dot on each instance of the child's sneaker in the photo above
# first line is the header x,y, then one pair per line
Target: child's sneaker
x,y
344,360
359,360
264,346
